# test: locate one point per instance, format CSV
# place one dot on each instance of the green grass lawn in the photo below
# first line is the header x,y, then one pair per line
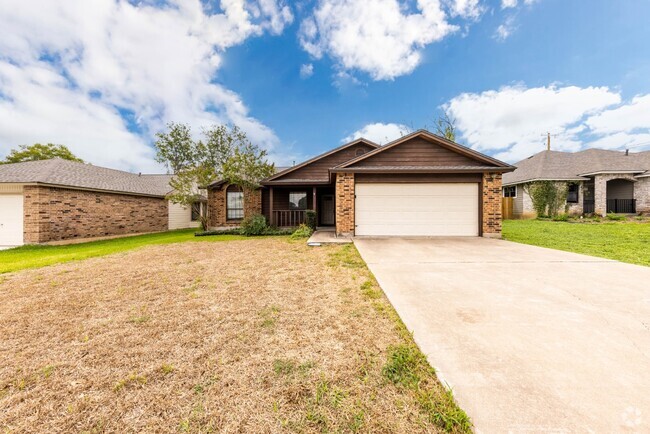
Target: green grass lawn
x,y
39,256
623,241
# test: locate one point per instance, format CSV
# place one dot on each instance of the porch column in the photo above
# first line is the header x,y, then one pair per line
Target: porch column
x,y
345,204
600,195
314,205
271,217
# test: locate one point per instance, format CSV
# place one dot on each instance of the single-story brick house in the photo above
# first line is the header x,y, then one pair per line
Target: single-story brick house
x,y
53,200
420,184
599,181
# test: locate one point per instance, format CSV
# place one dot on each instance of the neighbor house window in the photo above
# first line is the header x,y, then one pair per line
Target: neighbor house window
x,y
234,203
572,193
298,200
197,211
510,191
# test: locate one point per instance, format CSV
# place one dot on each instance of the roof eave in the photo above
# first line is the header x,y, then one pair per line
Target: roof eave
x,y
320,156
606,172
289,183
74,187
423,170
525,181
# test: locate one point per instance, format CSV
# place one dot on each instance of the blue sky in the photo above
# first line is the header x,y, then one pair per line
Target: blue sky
x,y
301,77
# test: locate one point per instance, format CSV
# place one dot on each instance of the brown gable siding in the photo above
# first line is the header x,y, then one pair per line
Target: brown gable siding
x,y
417,152
319,169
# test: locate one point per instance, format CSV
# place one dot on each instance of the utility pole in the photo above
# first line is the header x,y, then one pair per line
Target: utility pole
x,y
548,140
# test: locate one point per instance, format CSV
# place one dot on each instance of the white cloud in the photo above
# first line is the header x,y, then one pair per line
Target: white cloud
x,y
506,29
379,37
510,122
465,8
505,4
68,81
378,133
627,118
306,70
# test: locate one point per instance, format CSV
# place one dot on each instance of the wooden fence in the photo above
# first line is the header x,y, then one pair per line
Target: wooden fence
x,y
507,208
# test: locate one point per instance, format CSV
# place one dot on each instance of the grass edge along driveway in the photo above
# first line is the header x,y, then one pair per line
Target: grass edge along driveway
x,y
622,241
34,256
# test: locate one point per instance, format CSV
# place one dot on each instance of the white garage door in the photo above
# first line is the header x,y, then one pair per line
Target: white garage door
x,y
11,220
417,209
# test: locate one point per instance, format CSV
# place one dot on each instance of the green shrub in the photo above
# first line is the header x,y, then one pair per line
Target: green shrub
x,y
310,219
615,217
254,225
232,231
547,196
303,231
561,218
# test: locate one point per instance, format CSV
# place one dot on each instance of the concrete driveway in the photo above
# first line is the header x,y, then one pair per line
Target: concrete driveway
x,y
530,339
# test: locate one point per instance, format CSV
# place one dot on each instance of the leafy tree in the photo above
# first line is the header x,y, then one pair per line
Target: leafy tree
x,y
224,153
246,167
38,151
176,148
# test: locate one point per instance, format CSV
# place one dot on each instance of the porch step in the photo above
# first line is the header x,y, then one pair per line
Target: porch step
x,y
319,238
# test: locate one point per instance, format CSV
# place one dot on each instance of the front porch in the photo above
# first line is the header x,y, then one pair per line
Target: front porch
x,y
288,205
610,193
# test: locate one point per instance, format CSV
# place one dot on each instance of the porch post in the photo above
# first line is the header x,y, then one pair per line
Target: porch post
x,y
271,216
314,204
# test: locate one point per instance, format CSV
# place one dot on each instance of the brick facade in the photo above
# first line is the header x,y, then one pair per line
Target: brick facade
x,y
491,202
642,195
600,190
217,212
345,203
53,214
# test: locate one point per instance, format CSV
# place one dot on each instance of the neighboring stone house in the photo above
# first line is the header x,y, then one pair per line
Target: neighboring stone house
x,y
420,184
598,181
54,200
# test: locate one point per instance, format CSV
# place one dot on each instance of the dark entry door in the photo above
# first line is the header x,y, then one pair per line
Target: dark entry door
x,y
327,209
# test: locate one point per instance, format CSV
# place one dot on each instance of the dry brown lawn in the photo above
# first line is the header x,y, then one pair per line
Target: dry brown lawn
x,y
261,335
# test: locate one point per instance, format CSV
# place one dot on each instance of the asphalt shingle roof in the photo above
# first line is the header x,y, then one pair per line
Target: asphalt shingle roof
x,y
555,165
73,174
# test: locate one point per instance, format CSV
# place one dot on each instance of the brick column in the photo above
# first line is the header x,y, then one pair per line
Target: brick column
x,y
253,203
217,206
491,205
600,195
345,203
36,217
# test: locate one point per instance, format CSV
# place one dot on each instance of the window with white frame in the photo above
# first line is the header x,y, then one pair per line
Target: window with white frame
x,y
510,191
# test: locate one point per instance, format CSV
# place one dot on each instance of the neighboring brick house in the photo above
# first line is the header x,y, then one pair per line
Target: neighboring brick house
x,y
598,181
418,185
54,200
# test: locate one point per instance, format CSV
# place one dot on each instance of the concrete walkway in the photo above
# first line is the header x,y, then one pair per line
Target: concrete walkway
x,y
530,339
328,236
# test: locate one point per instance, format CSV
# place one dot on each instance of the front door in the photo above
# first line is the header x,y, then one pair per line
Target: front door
x,y
327,209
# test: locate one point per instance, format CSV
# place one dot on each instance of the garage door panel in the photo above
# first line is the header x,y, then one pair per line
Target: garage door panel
x,y
409,218
11,219
417,209
422,203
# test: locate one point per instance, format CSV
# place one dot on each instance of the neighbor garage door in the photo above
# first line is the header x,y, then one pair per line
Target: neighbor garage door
x,y
445,209
11,220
